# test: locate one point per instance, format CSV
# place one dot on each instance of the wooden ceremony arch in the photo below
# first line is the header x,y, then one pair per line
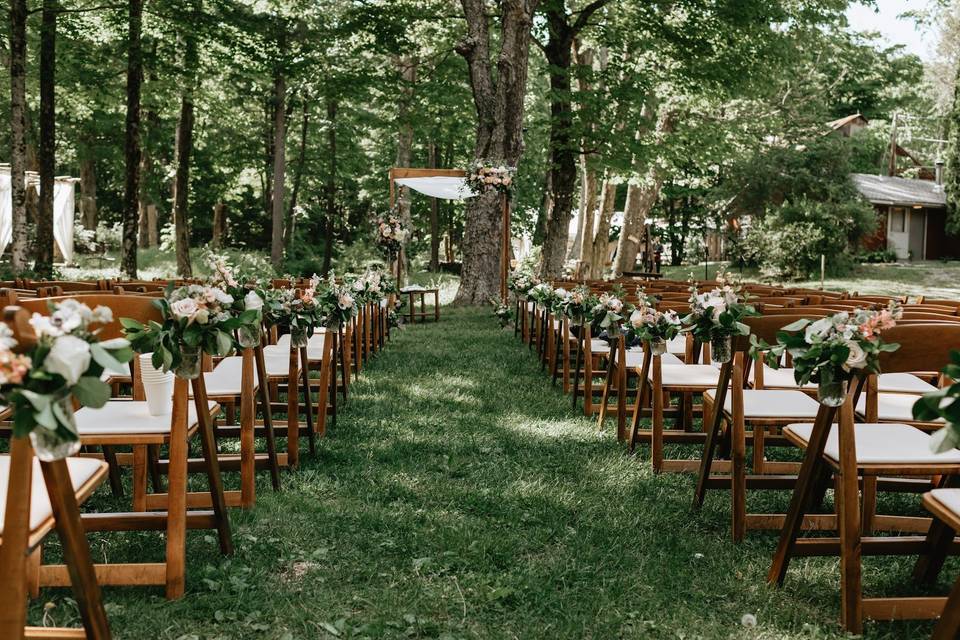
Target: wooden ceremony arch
x,y
397,173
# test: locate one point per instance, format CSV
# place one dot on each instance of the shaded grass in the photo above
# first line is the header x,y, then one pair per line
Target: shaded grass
x,y
459,497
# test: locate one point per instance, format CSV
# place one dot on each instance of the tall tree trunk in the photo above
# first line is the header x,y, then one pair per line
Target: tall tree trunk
x,y
43,264
407,67
298,175
499,104
152,122
588,209
641,200
131,192
219,237
279,167
562,34
143,226
546,209
601,240
434,217
88,192
18,133
183,152
331,186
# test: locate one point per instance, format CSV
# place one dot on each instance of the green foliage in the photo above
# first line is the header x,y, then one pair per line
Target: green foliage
x,y
943,404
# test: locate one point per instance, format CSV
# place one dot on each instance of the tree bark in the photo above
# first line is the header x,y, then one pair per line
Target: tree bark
x,y
183,153
297,176
601,239
219,238
330,190
18,133
499,105
88,192
588,209
131,192
640,201
563,147
143,226
279,167
407,66
43,264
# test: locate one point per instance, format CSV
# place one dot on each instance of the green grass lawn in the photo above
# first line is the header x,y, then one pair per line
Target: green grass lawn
x,y
460,497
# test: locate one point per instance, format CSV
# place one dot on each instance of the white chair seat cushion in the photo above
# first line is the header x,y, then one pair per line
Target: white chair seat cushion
x,y
677,345
635,359
81,471
883,443
772,403
314,345
891,407
688,375
225,379
277,360
949,498
599,346
779,379
119,417
903,383
530,305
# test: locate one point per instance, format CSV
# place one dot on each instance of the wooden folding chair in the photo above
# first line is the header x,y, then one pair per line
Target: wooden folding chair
x,y
123,423
39,497
855,453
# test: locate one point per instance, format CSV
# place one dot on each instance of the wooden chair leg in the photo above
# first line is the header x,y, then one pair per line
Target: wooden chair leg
x,y
308,401
939,539
656,431
248,462
576,374
140,464
34,560
803,491
116,481
153,466
209,447
851,593
76,551
267,420
948,628
738,484
176,561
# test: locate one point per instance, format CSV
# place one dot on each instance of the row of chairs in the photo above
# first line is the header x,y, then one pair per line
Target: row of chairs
x,y
274,377
865,449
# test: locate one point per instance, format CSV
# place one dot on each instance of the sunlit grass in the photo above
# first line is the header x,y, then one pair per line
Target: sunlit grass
x,y
459,496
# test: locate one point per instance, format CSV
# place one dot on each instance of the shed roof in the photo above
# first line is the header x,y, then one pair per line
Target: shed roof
x,y
893,190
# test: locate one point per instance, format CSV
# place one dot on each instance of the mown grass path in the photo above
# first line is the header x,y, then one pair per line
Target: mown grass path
x,y
459,497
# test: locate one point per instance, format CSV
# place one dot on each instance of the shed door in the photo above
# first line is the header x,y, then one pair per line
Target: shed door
x,y
918,224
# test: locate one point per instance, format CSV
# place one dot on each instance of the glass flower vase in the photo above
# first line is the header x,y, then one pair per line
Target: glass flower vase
x,y
832,392
658,346
299,337
191,359
52,445
721,348
248,335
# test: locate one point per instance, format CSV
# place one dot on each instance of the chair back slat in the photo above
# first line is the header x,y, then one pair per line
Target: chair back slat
x,y
139,308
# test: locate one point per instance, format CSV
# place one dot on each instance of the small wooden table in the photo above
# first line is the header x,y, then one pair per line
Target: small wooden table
x,y
423,314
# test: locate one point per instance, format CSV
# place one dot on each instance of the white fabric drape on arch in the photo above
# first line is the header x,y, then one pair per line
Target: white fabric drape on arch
x,y
443,187
64,204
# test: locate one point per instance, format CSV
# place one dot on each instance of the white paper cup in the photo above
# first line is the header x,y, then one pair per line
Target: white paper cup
x,y
157,386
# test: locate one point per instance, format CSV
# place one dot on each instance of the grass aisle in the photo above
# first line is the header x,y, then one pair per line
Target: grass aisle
x,y
459,497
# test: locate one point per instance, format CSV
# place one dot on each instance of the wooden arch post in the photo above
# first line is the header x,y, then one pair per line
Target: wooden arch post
x,y
397,173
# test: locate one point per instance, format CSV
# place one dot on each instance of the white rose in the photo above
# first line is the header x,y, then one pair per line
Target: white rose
x,y
345,301
70,357
636,319
43,326
857,358
186,308
252,301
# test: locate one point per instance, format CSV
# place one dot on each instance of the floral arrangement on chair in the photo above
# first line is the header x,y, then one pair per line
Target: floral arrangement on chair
x,y
943,403
578,305
196,319
715,317
338,304
502,313
390,235
647,324
300,312
64,366
832,350
541,294
247,303
520,283
608,316
486,176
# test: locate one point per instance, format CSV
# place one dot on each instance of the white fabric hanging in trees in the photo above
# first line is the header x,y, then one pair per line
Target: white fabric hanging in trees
x,y
443,187
63,208
63,214
6,211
